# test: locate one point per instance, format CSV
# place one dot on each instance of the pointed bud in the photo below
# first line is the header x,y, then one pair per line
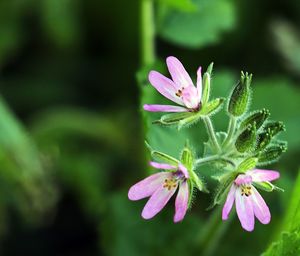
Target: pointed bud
x,y
259,117
263,140
240,96
274,127
271,154
245,142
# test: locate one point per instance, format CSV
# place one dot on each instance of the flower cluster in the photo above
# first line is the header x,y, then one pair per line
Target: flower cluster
x,y
250,141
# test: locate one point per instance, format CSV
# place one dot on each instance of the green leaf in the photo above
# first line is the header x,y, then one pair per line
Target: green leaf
x,y
198,28
288,245
289,241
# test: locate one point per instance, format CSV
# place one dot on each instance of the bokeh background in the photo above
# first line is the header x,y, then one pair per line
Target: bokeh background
x,y
72,131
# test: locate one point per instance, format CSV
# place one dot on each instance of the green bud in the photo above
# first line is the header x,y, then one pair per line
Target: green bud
x,y
246,140
263,140
259,117
240,96
271,154
247,164
187,158
274,127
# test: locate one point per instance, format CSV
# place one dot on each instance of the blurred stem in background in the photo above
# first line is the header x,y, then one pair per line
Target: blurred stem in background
x,y
147,33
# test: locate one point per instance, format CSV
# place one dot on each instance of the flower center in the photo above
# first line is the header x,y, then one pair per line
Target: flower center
x,y
179,92
246,190
170,183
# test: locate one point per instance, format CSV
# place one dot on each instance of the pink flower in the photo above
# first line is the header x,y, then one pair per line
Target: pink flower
x,y
160,187
180,89
248,202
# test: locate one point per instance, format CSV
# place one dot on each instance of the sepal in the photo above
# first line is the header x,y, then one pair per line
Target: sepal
x,y
157,155
267,186
247,164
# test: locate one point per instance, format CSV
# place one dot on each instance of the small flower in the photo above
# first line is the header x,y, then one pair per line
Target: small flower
x,y
248,201
180,89
160,187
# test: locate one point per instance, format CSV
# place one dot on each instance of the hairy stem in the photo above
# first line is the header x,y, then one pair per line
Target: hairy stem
x,y
213,158
230,131
211,133
147,32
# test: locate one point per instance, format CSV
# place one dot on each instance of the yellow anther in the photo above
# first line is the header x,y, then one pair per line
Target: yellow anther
x,y
246,190
170,183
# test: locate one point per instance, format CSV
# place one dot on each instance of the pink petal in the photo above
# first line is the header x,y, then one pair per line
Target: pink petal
x,y
163,166
147,186
244,210
199,84
164,86
181,202
183,169
178,73
190,97
157,201
229,202
261,210
259,175
164,108
243,179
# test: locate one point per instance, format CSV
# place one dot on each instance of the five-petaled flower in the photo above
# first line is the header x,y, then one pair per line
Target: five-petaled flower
x,y
180,89
248,201
160,187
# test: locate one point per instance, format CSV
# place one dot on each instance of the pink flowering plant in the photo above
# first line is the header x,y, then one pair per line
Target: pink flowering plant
x,y
237,155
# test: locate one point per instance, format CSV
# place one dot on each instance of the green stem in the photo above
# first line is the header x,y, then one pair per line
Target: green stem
x,y
230,131
147,32
211,133
206,159
212,233
212,158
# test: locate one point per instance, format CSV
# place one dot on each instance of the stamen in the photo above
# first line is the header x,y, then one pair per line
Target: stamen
x,y
246,190
179,92
170,183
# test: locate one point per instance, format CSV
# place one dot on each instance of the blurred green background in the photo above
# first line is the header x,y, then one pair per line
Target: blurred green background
x,y
72,133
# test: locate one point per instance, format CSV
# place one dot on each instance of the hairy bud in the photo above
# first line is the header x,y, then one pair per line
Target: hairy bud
x,y
259,117
246,140
240,96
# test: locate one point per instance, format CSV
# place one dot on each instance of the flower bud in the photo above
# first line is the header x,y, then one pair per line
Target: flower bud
x,y
259,117
240,96
271,154
247,139
263,140
274,127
